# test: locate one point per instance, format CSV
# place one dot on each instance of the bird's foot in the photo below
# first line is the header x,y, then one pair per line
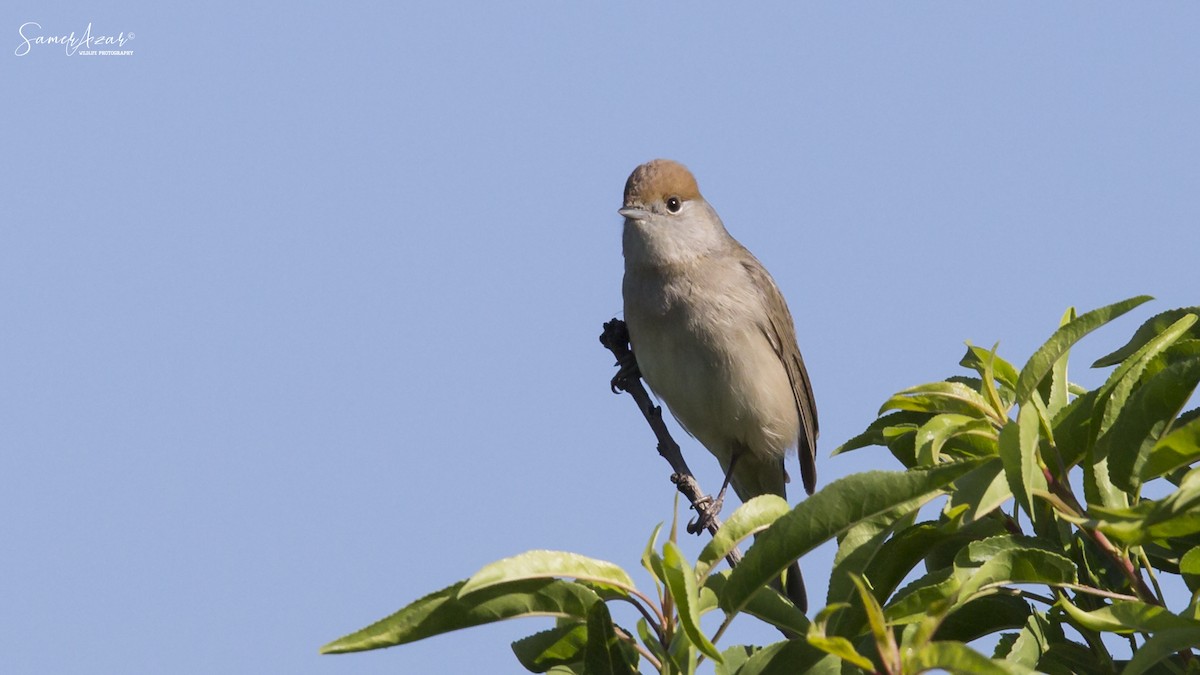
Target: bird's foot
x,y
628,371
707,510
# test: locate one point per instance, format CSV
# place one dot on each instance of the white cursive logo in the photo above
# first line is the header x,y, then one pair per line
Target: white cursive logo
x,y
83,45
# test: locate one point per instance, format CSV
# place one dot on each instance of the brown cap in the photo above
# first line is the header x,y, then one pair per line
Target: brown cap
x,y
659,179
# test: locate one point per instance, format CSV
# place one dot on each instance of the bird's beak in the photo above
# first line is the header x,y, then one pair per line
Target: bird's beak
x,y
634,213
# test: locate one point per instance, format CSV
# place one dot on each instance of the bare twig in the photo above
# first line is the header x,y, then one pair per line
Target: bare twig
x,y
616,339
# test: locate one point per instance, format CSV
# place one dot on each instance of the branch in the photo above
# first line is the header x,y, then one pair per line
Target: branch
x,y
616,339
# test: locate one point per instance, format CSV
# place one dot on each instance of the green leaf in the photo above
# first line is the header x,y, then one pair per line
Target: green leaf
x,y
1011,559
651,641
976,358
1098,488
885,640
445,611
1146,332
982,616
981,491
983,565
861,545
1161,646
1115,392
753,516
826,514
940,397
560,646
1074,431
1034,640
1176,515
681,581
934,434
1068,658
1056,397
836,645
791,657
841,648
540,564
957,657
734,658
1126,616
767,604
912,602
1189,567
1144,419
603,655
1042,361
1018,452
1180,447
874,433
896,558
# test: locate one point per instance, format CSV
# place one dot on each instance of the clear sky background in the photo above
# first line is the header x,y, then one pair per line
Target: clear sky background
x,y
299,305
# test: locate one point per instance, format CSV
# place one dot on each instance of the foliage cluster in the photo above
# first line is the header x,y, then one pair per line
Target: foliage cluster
x,y
1061,512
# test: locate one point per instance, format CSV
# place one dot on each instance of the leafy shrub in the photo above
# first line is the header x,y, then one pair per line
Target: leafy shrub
x,y
1045,537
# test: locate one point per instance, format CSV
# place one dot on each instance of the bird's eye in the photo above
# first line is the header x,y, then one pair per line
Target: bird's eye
x,y
673,204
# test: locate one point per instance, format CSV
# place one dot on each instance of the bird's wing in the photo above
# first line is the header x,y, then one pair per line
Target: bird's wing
x,y
781,333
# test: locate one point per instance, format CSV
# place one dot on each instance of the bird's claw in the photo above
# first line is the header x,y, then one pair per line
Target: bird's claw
x,y
628,371
707,510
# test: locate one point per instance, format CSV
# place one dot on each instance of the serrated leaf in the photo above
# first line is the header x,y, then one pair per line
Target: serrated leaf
x,y
985,615
1033,641
829,512
791,657
1126,616
841,648
1161,646
1177,448
1074,431
681,581
1010,559
559,646
912,602
861,545
734,658
1144,419
874,433
445,611
981,491
1176,515
1098,488
753,516
1056,396
1018,452
897,557
957,657
934,434
767,605
603,655
1117,388
885,640
1145,333
540,564
940,397
976,358
1040,364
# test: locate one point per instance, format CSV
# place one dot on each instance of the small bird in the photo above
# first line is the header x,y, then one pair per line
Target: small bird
x,y
713,338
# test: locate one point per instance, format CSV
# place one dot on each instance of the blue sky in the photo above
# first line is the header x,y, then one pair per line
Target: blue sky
x,y
300,302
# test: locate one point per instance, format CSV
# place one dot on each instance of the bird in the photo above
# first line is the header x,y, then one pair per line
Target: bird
x,y
714,340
